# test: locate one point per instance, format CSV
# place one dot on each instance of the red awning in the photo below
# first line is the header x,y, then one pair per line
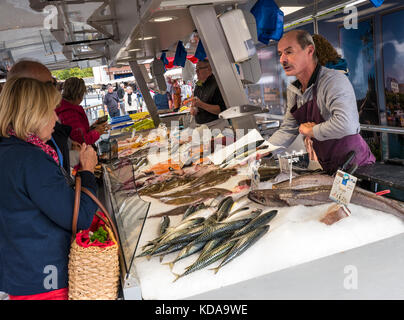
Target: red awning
x,y
170,64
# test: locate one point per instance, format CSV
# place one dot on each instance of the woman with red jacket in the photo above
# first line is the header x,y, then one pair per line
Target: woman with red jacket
x,y
72,114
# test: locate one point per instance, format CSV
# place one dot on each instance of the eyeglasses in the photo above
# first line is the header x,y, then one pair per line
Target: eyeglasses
x,y
197,69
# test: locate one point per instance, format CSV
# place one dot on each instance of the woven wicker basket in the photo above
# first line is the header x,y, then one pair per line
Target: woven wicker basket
x,y
93,271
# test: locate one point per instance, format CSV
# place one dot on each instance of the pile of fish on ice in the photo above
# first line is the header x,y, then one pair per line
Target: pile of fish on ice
x,y
220,233
225,229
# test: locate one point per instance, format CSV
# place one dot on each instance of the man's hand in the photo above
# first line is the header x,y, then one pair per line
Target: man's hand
x,y
306,129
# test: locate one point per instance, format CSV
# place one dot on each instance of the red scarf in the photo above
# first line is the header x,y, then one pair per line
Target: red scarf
x,y
34,139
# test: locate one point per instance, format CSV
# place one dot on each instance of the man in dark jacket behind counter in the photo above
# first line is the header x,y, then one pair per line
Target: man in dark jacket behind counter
x,y
207,101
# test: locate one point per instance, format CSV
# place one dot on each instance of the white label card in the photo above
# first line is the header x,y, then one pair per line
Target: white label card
x,y
255,176
284,165
343,187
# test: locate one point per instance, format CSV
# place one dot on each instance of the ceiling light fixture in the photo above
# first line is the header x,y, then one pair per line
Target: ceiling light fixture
x,y
354,3
163,19
288,10
146,38
133,50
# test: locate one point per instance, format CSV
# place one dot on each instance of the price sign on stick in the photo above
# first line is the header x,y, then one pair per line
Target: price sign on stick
x,y
254,174
343,187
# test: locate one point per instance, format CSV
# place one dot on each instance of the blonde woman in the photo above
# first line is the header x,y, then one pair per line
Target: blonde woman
x,y
36,202
72,114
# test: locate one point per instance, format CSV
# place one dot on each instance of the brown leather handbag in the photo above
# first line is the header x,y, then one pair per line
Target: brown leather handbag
x,y
93,271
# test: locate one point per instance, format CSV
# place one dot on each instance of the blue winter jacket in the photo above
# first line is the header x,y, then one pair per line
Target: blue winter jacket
x,y
36,209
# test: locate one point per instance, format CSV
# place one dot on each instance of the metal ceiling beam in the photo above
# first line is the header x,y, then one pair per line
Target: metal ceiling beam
x,y
141,82
85,42
98,21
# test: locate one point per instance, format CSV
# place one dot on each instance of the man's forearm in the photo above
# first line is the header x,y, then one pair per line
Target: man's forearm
x,y
212,108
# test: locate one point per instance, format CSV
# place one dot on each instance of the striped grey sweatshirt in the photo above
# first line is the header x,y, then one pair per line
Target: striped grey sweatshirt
x,y
336,101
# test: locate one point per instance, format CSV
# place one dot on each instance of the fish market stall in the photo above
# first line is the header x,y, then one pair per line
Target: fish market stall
x,y
295,239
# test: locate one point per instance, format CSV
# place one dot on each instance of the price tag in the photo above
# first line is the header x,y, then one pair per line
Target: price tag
x,y
283,164
343,187
254,174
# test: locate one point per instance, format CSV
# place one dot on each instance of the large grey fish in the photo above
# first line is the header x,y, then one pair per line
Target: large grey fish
x,y
255,223
242,245
195,197
214,255
305,181
319,195
267,197
173,212
211,179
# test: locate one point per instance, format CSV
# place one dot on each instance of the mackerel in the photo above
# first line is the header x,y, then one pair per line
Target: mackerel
x,y
255,223
242,245
208,259
192,209
223,210
212,244
252,215
187,251
220,229
164,224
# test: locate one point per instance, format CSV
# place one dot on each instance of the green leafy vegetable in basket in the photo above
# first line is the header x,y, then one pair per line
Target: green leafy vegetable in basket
x,y
101,235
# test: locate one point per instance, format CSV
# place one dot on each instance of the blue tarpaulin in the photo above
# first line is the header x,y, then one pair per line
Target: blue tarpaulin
x,y
200,53
377,3
269,20
163,58
180,55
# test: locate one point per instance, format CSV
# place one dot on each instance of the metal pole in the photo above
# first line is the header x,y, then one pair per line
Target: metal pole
x,y
221,61
151,106
315,19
